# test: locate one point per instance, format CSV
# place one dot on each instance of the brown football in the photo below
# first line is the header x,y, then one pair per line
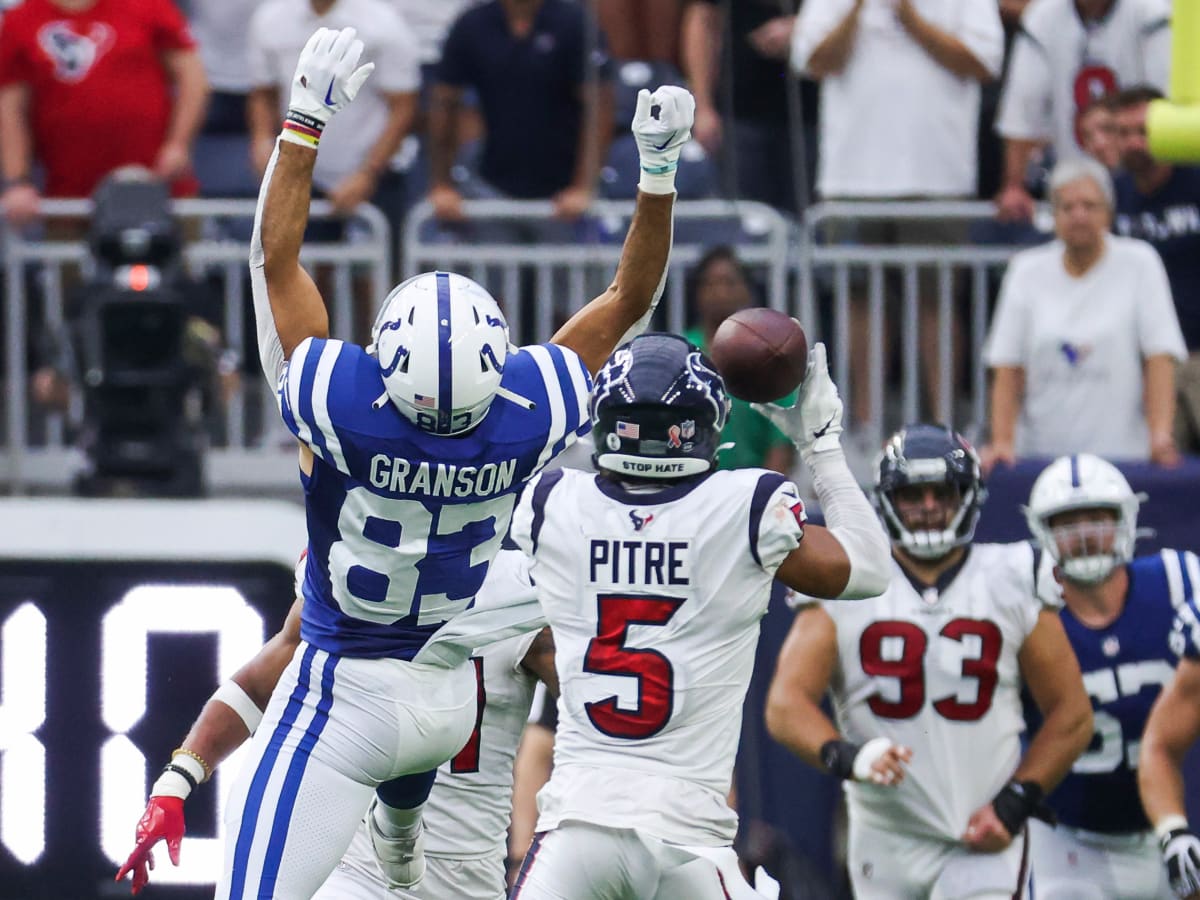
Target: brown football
x,y
761,353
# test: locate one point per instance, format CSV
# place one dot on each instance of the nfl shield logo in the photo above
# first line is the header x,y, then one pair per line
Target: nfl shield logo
x,y
688,429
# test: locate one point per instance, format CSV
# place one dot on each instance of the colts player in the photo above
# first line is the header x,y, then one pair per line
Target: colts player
x,y
467,813
1118,612
926,684
413,452
654,573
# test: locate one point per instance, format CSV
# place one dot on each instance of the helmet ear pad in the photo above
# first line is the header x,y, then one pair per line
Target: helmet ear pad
x,y
442,342
658,408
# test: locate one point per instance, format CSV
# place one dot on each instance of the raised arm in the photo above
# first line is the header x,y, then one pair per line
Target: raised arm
x,y
623,311
794,715
287,306
227,720
851,558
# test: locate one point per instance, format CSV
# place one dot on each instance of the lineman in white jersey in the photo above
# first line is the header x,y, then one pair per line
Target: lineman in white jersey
x,y
1173,727
413,452
926,683
1067,54
1118,612
654,573
467,813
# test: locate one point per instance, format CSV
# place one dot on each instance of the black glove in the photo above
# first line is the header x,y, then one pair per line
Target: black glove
x,y
1181,853
1019,801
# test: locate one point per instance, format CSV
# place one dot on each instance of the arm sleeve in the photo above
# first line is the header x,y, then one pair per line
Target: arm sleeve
x,y
1025,104
397,63
1158,324
169,28
816,19
270,350
851,519
1183,581
310,381
1006,344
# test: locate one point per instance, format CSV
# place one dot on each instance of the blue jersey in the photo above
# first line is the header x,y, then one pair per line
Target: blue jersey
x,y
403,524
1185,635
1125,665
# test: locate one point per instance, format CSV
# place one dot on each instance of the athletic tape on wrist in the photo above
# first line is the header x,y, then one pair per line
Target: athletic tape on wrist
x,y
302,129
235,697
867,756
172,783
1167,824
657,182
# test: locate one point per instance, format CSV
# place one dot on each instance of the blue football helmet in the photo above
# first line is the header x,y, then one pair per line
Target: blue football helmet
x,y
658,408
930,454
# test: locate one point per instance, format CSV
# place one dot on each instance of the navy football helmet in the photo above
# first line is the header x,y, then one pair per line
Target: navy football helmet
x,y
930,455
658,408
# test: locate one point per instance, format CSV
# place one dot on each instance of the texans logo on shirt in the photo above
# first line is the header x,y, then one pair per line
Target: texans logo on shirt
x,y
73,54
1093,81
640,522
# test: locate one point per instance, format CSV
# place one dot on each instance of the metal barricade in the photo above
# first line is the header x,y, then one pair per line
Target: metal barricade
x,y
255,452
833,274
567,273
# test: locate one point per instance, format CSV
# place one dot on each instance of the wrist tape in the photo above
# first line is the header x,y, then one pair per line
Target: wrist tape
x,y
302,129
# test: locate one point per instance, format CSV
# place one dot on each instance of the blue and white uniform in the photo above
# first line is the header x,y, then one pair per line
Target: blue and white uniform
x,y
402,526
1104,845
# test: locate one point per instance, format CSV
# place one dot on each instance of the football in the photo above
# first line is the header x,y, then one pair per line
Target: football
x,y
761,353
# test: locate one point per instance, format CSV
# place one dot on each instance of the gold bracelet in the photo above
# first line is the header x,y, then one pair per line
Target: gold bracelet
x,y
196,756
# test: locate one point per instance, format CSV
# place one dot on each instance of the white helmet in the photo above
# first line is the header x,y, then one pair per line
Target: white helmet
x,y
1084,481
441,341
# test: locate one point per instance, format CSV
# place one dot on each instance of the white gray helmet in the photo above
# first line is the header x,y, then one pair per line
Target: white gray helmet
x,y
1084,481
441,341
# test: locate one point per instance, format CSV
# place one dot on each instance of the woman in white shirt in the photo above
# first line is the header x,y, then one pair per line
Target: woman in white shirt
x,y
1084,341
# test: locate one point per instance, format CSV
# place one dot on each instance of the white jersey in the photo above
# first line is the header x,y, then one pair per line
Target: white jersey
x,y
936,670
1059,65
655,601
468,810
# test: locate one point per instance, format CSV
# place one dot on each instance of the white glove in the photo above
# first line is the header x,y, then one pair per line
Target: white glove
x,y
327,77
1181,853
659,140
814,423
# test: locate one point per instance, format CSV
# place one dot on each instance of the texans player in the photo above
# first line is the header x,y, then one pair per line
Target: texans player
x,y
413,452
926,684
654,573
1118,613
1173,727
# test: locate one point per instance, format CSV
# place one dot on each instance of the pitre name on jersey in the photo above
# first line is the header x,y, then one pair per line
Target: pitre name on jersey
x,y
403,476
649,563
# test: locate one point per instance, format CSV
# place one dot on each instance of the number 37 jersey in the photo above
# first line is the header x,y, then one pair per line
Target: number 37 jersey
x,y
654,600
935,669
403,524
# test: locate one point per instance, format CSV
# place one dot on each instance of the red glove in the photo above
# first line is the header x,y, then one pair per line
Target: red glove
x,y
162,820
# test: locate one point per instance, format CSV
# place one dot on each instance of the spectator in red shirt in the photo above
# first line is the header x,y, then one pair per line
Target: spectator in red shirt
x,y
88,86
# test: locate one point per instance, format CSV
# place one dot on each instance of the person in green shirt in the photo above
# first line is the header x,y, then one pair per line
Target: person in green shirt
x,y
718,286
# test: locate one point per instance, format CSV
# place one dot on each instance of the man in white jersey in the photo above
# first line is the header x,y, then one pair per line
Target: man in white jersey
x,y
1118,611
467,813
654,573
1173,727
926,682
1067,54
414,450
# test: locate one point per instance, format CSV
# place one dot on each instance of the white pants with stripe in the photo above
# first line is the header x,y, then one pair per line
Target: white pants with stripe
x,y
579,861
358,877
334,730
891,865
1073,864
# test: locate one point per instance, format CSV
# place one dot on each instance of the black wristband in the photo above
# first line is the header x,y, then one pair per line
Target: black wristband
x,y
837,757
307,121
1017,802
184,773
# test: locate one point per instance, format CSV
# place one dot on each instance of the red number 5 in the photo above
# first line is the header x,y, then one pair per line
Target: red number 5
x,y
608,655
909,667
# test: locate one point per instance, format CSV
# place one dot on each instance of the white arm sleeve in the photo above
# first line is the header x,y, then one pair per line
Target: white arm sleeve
x,y
850,519
270,350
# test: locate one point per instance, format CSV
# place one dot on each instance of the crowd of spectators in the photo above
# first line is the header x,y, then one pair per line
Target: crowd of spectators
x,y
797,100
